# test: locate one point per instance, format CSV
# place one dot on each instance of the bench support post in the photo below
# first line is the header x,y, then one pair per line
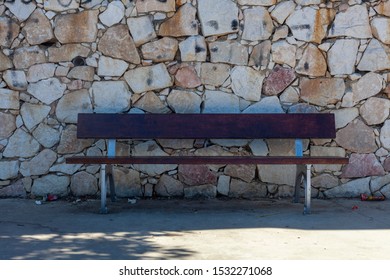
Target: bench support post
x,y
307,206
103,189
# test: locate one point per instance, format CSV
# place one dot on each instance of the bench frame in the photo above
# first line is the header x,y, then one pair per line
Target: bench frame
x,y
304,163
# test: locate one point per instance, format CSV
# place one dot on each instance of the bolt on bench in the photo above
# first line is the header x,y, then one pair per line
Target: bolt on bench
x,y
206,126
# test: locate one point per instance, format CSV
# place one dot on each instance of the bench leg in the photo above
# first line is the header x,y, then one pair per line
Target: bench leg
x,y
298,182
307,206
110,180
103,190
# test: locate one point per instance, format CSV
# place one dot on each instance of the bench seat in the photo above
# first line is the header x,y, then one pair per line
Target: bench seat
x,y
113,127
206,160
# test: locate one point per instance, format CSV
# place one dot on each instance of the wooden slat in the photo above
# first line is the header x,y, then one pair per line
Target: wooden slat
x,y
209,126
206,160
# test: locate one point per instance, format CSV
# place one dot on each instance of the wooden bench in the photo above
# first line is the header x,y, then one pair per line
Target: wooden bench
x,y
206,126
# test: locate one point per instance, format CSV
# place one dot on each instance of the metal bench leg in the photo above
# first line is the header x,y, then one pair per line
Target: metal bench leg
x,y
103,190
298,182
307,206
110,180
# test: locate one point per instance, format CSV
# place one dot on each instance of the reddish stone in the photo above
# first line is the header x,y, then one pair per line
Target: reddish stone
x,y
386,164
362,165
187,77
194,175
279,79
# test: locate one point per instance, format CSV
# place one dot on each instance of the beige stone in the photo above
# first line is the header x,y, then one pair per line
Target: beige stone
x,y
152,104
27,56
312,63
260,55
357,137
70,144
117,43
183,23
38,29
67,52
161,50
375,110
184,101
322,91
8,125
155,6
5,62
85,22
214,73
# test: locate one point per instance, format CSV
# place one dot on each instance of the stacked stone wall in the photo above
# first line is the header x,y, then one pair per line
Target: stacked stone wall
x,y
59,58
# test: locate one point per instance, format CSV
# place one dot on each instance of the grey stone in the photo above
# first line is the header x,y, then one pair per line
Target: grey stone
x,y
193,48
218,17
342,57
110,96
214,73
259,147
345,116
73,103
204,191
220,102
17,189
22,10
46,135
385,135
354,22
240,189
228,52
375,57
111,67
284,53
15,79
266,105
51,184
141,29
83,183
47,91
368,85
327,151
169,187
257,24
351,189
55,5
324,181
282,11
39,165
8,125
9,169
65,168
33,114
184,101
247,82
309,24
176,144
40,72
223,186
21,144
113,14
148,78
151,148
278,174
357,137
9,99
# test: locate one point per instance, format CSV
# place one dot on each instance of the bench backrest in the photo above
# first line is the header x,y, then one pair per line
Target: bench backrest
x,y
209,126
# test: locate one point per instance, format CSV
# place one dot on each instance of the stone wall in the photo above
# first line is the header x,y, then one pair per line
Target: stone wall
x,y
59,58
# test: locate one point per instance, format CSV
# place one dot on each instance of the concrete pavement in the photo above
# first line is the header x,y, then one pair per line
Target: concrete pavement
x,y
195,230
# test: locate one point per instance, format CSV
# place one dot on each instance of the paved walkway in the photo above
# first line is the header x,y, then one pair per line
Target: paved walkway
x,y
196,230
